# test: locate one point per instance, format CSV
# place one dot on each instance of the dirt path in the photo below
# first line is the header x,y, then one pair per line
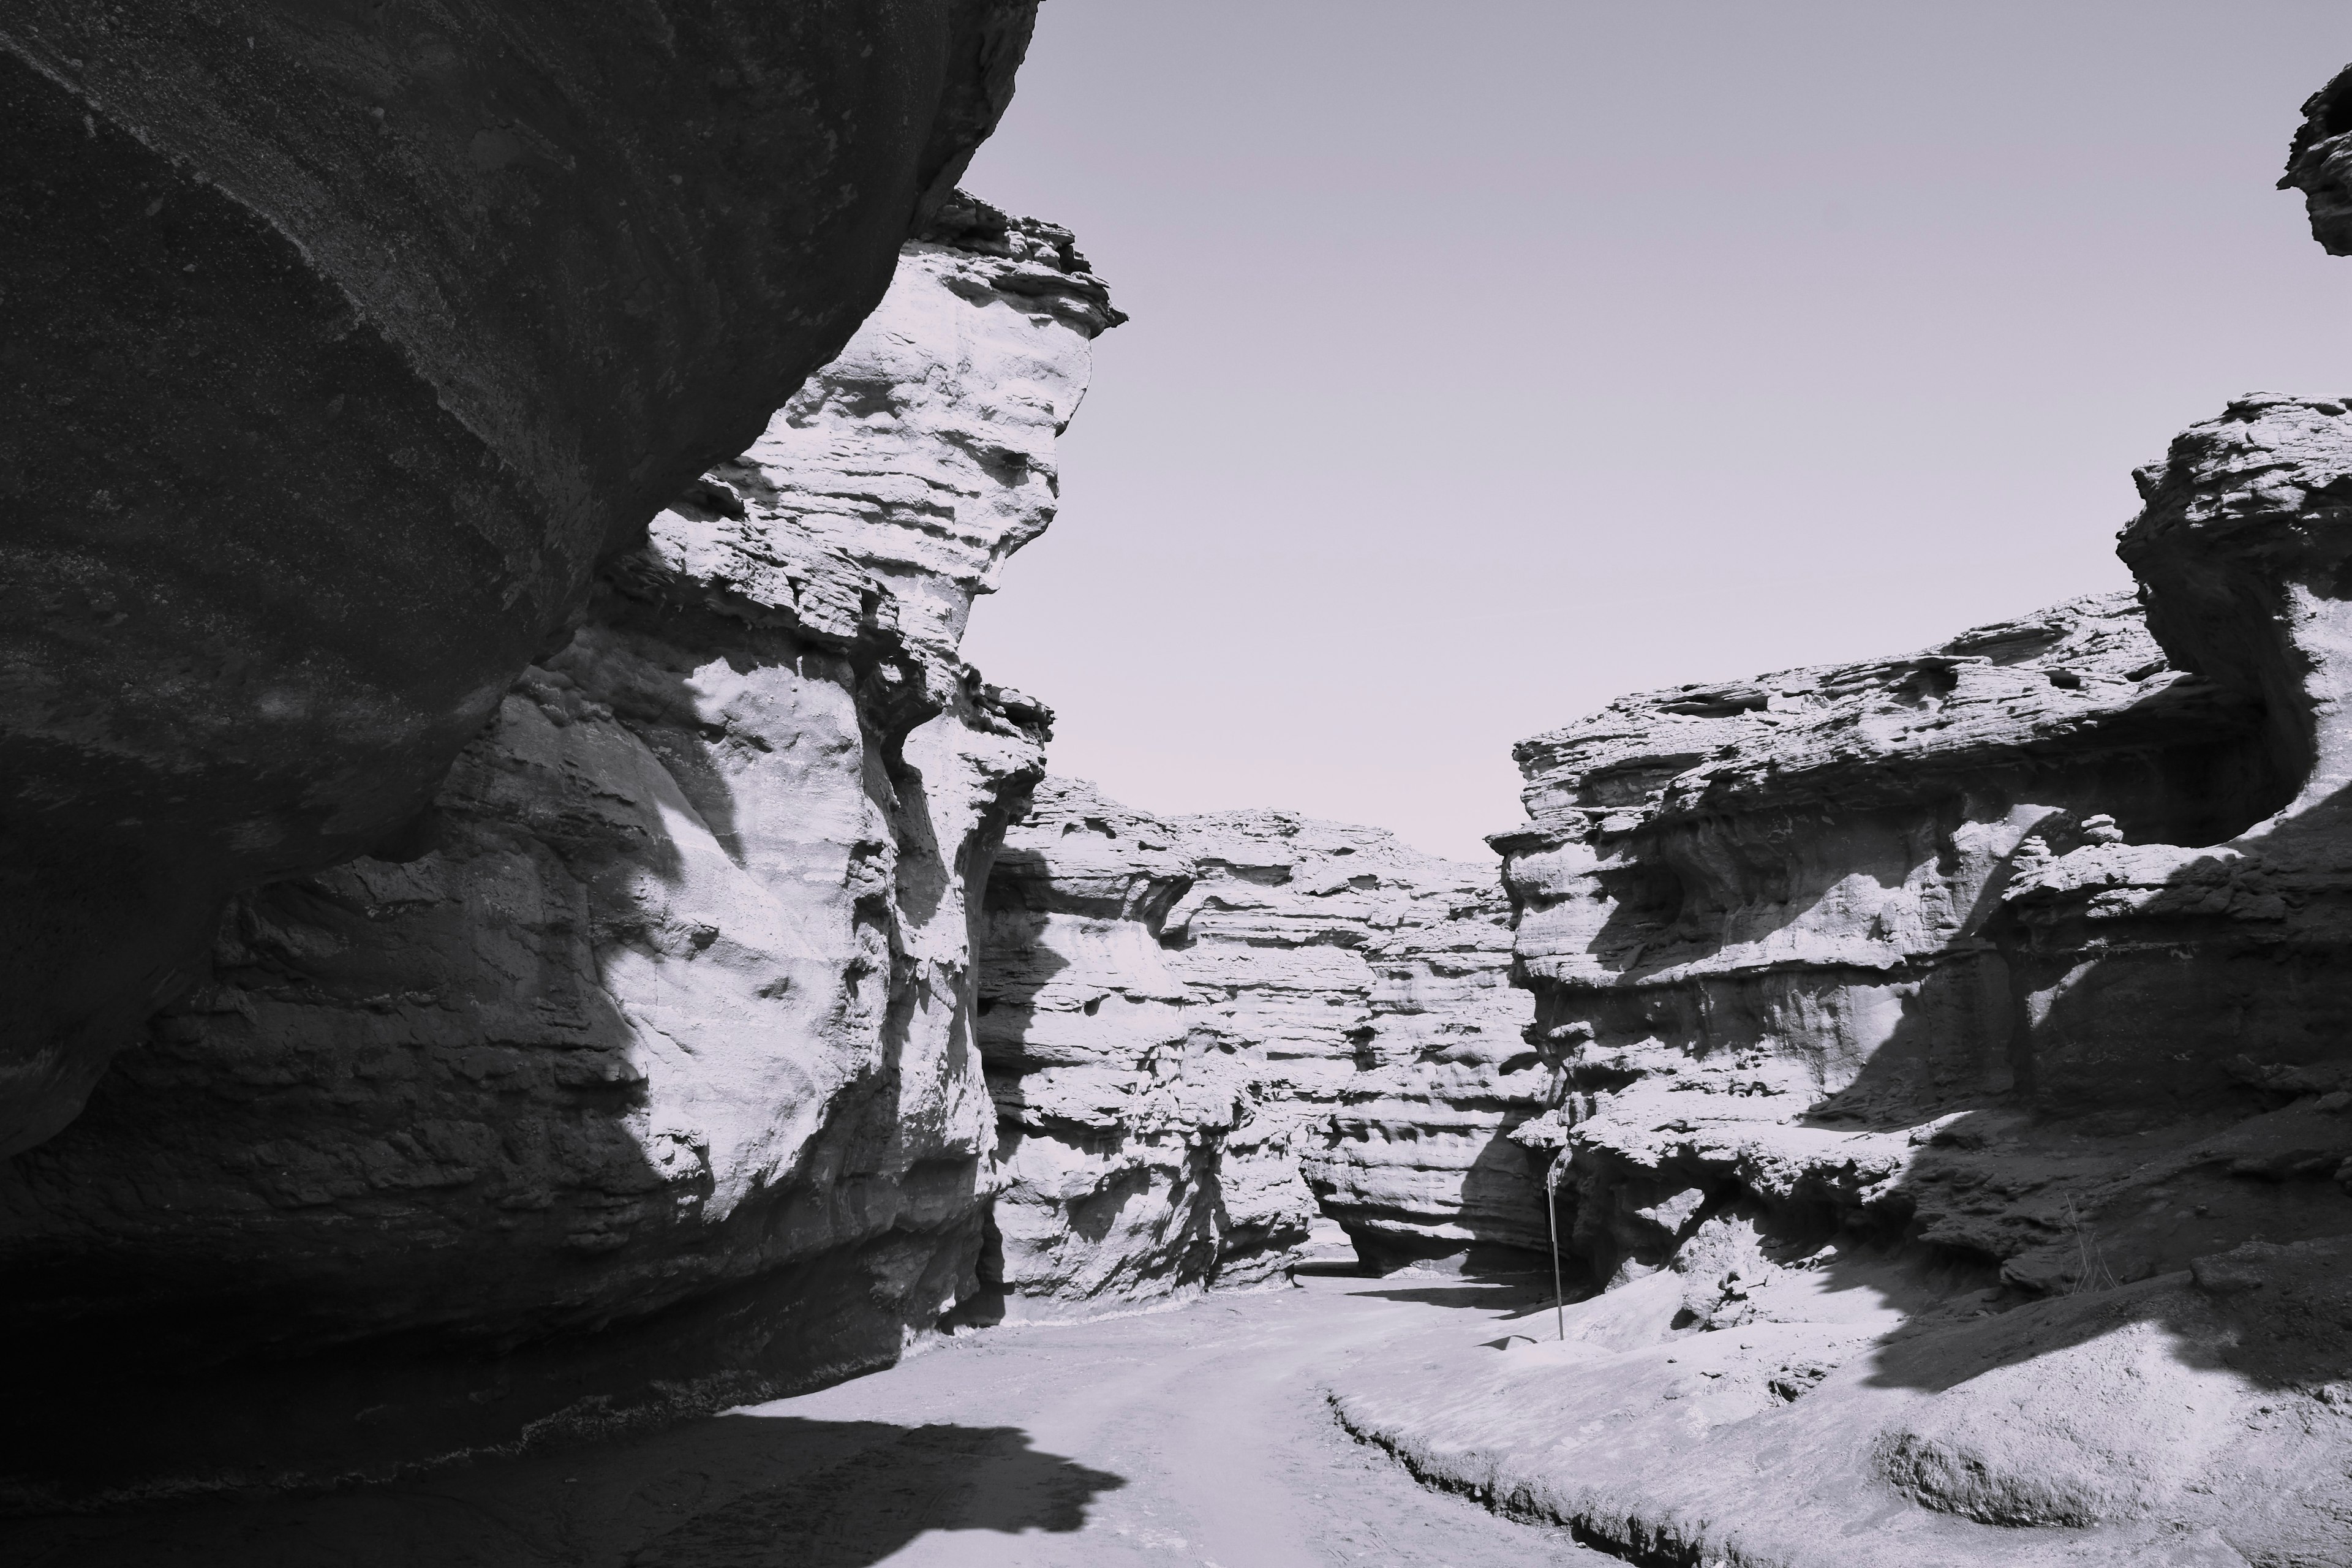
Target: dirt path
x,y
1196,1436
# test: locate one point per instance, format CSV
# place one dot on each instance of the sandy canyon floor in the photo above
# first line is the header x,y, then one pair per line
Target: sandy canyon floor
x,y
1195,1436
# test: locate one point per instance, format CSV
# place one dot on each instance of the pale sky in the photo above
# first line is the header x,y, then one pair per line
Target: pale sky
x,y
1494,358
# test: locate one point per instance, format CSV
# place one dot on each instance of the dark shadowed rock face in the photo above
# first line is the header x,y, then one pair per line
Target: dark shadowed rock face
x,y
2244,553
346,338
636,1073
2319,163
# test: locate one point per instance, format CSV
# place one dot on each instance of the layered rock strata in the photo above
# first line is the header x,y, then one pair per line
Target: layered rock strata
x,y
638,1072
1959,1111
1770,925
346,342
1198,1030
1956,1076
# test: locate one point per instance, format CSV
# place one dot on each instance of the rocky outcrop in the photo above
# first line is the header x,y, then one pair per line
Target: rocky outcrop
x,y
1197,1028
1416,1162
347,342
1958,1112
2319,163
1137,1160
1954,1077
637,1073
1763,919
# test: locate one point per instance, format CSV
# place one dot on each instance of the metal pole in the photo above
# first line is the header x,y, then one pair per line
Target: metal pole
x,y
1551,1216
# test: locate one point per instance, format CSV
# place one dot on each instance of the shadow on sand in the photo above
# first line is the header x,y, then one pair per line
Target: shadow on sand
x,y
741,1490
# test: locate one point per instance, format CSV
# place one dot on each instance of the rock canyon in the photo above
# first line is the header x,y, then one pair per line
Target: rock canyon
x,y
1202,1031
525,929
497,278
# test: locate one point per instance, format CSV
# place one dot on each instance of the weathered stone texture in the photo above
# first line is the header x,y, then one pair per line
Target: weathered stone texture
x,y
638,1072
1773,910
2319,163
1413,1157
1189,1022
1139,1158
1958,1109
346,340
1936,1033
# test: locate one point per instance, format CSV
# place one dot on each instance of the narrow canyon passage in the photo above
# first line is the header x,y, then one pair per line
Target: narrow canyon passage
x,y
1194,1437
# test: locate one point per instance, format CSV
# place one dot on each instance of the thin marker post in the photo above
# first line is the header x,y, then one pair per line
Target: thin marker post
x,y
1551,1219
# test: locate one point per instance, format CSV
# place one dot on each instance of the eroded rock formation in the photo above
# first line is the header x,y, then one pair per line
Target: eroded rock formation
x,y
1769,925
1197,1028
637,1073
1955,1083
346,342
1135,1162
1958,1105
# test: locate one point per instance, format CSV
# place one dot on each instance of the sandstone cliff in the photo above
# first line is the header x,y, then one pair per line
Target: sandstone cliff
x,y
1773,913
638,1072
1198,1028
1953,1078
346,342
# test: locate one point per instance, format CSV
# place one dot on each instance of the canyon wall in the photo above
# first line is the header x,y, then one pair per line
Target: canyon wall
x,y
1957,1106
1772,926
1199,1029
2086,868
636,1073
347,342
1956,1085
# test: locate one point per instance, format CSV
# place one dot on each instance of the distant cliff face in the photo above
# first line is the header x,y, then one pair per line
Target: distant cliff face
x,y
638,1072
346,343
1134,1160
1198,1030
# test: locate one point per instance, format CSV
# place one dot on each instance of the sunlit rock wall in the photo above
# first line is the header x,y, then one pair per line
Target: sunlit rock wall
x,y
1140,1158
1414,1160
1955,1078
1199,1029
1762,918
1957,1098
1781,931
638,1072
